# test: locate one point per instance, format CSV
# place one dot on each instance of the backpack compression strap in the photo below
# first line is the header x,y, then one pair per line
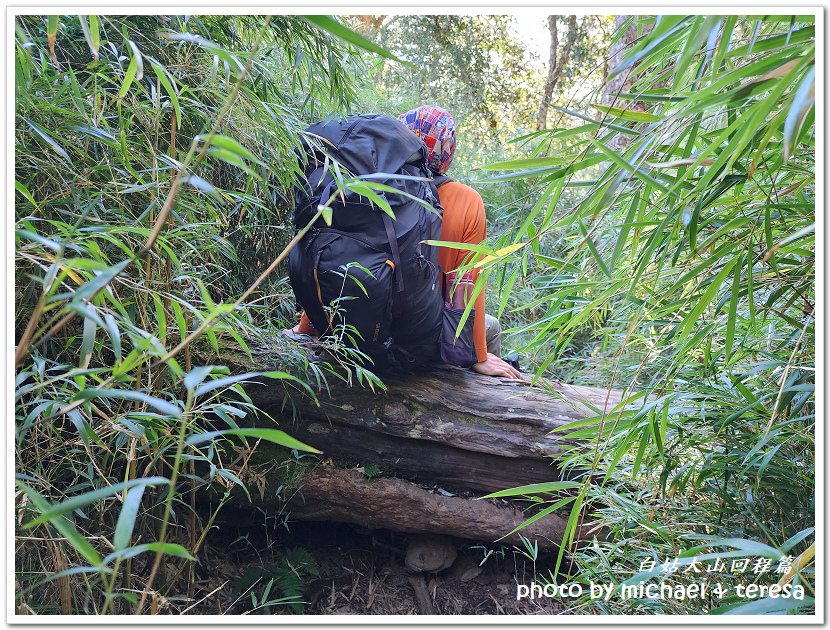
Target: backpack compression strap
x,y
396,254
401,310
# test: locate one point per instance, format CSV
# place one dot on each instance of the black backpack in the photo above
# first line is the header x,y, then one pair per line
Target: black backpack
x,y
368,278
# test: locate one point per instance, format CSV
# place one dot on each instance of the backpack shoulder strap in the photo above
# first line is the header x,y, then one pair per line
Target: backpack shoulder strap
x,y
440,180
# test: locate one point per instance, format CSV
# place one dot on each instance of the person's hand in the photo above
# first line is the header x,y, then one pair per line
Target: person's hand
x,y
493,366
294,333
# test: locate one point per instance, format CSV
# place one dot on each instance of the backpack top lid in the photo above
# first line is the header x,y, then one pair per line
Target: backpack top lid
x,y
367,143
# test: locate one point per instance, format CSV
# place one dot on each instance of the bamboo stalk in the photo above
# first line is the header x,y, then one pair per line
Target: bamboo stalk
x,y
64,587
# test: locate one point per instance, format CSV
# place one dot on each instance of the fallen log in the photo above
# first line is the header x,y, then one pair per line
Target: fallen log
x,y
443,425
330,494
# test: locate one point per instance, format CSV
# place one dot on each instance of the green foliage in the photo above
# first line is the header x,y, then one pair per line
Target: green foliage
x,y
153,160
683,271
370,471
289,576
472,65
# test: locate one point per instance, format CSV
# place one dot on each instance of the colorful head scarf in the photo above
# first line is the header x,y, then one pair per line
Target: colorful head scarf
x,y
436,128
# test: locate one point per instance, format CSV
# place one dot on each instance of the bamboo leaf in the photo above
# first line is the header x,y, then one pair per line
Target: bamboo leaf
x,y
525,163
64,526
180,321
48,139
390,189
627,166
681,162
329,24
640,452
201,184
481,249
590,243
94,132
168,83
196,376
505,293
128,79
47,242
213,48
794,540
534,488
703,302
81,500
624,230
91,40
801,104
656,96
365,190
810,229
126,518
52,27
733,312
270,435
231,145
752,546
115,336
765,606
626,114
95,31
171,549
25,192
600,124
754,37
230,158
51,34
548,510
499,253
88,341
162,406
327,214
91,288
805,34
139,60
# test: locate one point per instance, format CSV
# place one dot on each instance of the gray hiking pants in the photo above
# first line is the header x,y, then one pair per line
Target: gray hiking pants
x,y
492,334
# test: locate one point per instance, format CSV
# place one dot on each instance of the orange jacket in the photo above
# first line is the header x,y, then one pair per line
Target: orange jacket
x,y
464,222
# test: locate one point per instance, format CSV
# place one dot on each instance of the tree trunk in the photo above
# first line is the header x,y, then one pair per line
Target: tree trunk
x,y
621,83
616,56
330,494
478,100
365,24
554,68
442,426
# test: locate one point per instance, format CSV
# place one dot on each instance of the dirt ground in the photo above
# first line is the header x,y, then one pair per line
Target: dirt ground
x,y
359,572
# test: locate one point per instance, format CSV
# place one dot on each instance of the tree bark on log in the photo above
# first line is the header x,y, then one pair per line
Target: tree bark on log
x,y
470,433
330,494
444,425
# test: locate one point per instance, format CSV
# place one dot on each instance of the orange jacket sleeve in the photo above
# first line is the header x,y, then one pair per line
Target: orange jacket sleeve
x,y
464,222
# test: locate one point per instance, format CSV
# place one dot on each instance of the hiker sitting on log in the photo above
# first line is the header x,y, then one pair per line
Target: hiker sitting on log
x,y
464,221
